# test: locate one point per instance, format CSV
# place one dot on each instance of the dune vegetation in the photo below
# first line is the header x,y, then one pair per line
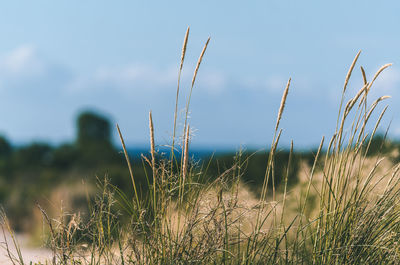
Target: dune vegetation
x,y
336,206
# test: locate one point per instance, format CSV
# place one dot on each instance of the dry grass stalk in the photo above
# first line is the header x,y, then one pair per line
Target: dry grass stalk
x,y
128,162
286,181
185,155
363,75
152,146
393,175
369,85
377,122
312,174
269,169
346,81
282,106
191,88
177,91
367,117
350,104
153,159
338,130
184,48
380,70
5,223
353,101
199,61
380,99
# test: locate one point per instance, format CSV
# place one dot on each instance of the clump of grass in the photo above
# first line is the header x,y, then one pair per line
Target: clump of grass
x,y
345,211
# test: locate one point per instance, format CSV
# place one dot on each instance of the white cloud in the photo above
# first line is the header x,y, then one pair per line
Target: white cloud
x,y
22,60
276,83
23,67
212,82
132,78
136,74
142,78
271,83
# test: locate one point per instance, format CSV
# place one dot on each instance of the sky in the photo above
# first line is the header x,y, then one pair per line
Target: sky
x,y
121,59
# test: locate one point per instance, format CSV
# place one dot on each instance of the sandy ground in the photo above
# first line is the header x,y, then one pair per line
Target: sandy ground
x,y
28,253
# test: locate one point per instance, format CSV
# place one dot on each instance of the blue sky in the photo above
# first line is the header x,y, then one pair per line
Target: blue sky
x,y
121,58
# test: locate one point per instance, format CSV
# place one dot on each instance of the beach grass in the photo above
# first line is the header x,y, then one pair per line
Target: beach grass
x,y
344,210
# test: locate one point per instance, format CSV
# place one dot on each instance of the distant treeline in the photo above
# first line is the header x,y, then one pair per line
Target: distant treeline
x,y
29,174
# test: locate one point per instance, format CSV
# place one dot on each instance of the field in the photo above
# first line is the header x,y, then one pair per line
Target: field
x,y
343,208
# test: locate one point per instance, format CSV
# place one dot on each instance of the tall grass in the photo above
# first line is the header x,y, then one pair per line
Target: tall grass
x,y
346,210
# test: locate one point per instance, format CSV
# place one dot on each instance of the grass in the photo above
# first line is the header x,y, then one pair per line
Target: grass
x,y
345,209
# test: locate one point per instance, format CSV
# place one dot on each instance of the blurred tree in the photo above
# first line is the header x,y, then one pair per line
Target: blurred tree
x,y
5,155
36,155
5,148
65,156
5,167
94,140
93,129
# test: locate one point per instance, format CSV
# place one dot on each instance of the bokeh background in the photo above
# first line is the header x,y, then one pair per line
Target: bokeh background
x,y
121,59
69,71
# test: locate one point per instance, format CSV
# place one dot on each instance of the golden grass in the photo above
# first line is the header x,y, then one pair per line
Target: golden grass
x,y
199,61
282,106
177,92
152,146
129,164
344,210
